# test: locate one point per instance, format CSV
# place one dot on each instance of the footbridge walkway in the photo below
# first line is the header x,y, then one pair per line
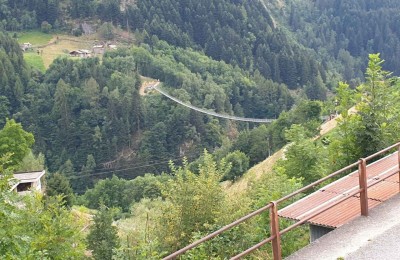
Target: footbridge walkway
x,y
212,113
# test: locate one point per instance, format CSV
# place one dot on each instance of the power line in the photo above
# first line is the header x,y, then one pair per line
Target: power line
x,y
124,169
190,155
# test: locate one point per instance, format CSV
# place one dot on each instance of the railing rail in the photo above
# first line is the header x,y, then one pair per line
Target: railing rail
x,y
273,207
219,231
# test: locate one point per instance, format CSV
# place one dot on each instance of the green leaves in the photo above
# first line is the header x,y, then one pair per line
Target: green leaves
x,y
378,109
14,141
39,229
303,158
119,193
103,236
376,123
239,165
192,202
58,184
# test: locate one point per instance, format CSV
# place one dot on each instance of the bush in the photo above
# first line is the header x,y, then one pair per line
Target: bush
x,y
45,27
106,31
240,164
77,32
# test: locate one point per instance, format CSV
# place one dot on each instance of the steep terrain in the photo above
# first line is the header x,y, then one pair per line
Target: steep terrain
x,y
266,166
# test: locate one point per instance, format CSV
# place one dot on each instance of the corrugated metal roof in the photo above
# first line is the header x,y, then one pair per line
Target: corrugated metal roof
x,y
341,213
28,176
394,178
350,208
383,190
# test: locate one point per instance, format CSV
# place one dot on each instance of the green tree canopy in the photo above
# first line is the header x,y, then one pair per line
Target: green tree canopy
x,y
16,141
192,202
376,123
239,165
303,158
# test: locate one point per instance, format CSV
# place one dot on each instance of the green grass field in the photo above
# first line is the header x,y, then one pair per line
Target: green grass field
x,y
34,37
34,60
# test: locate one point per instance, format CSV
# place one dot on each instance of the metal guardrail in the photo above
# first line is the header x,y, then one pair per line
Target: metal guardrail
x,y
276,233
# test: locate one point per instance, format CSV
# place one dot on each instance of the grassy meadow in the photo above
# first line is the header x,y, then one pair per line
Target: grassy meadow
x,y
34,37
34,60
60,45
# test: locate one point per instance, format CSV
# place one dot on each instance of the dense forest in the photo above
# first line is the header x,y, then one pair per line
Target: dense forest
x,y
143,159
304,44
96,112
348,31
97,105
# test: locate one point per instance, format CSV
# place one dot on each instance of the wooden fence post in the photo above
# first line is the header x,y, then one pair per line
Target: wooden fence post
x,y
362,174
276,242
398,161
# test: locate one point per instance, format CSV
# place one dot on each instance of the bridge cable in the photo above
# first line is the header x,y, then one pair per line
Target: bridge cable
x,y
212,113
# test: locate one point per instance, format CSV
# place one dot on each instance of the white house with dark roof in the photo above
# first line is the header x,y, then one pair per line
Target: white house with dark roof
x,y
28,181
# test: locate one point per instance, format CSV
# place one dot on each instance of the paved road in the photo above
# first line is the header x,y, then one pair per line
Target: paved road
x,y
384,246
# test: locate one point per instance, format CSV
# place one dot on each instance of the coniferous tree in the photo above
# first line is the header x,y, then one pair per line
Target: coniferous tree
x,y
103,237
58,184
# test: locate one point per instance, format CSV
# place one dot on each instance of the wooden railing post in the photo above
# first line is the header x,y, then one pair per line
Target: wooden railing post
x,y
362,174
276,242
398,162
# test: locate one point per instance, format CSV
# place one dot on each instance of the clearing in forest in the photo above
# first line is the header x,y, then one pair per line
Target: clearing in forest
x,y
34,37
61,46
50,46
34,60
146,82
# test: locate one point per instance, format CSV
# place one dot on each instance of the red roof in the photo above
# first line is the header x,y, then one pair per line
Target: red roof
x,y
350,208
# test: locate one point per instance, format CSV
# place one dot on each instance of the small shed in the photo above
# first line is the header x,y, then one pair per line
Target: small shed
x,y
28,181
26,46
98,49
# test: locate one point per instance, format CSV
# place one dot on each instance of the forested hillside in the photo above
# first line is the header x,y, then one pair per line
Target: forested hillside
x,y
14,77
304,44
348,31
88,114
111,144
241,33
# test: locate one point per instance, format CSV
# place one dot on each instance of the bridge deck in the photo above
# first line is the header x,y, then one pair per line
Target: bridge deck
x,y
212,113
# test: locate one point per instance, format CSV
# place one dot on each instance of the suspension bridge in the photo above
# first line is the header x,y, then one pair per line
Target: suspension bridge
x,y
208,112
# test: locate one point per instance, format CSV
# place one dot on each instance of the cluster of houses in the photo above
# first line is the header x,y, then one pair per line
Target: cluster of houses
x,y
96,50
81,53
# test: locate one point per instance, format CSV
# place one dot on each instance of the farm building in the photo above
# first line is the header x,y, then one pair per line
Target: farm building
x,y
98,49
80,53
